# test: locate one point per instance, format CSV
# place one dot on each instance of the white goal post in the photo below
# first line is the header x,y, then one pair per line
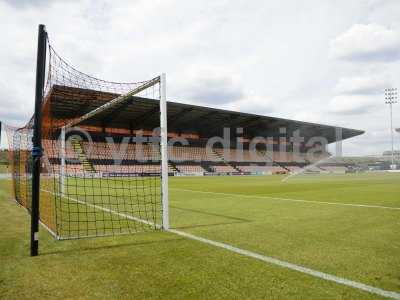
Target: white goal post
x,y
164,151
62,167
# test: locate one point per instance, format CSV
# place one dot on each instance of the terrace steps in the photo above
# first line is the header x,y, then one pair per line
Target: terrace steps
x,y
220,156
82,157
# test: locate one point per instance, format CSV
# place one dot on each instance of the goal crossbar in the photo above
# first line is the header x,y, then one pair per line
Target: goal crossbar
x,y
118,100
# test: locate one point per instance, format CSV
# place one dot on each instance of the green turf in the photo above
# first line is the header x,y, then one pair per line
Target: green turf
x,y
358,243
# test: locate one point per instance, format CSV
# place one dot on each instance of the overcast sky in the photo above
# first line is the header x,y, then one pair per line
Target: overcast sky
x,y
317,61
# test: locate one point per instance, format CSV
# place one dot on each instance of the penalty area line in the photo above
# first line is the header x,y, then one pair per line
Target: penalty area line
x,y
288,199
267,259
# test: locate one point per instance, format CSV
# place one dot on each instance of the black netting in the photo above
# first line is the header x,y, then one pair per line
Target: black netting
x,y
96,178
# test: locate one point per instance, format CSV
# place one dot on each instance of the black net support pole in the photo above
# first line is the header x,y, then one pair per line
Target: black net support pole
x,y
37,138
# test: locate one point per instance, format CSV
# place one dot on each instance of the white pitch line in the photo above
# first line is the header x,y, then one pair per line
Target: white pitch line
x,y
271,260
264,258
287,199
40,222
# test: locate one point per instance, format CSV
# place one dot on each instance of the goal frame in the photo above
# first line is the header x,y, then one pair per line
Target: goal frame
x,y
37,140
161,80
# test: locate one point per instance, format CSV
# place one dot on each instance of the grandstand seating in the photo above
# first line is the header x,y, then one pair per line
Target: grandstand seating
x,y
100,156
242,156
129,168
283,157
140,152
223,169
190,169
53,149
260,169
69,169
188,153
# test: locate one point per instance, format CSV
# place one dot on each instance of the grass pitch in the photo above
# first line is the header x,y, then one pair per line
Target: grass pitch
x,y
306,221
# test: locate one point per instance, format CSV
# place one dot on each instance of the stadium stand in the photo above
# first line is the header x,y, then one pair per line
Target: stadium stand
x,y
262,169
223,169
192,154
235,155
91,157
199,123
190,169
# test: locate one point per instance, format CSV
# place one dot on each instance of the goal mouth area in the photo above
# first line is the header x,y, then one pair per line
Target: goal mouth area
x,y
95,197
80,199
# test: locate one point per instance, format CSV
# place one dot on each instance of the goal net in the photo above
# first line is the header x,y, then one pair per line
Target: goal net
x,y
104,170
20,146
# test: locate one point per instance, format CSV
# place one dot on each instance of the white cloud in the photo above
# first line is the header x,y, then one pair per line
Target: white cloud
x,y
362,85
210,86
352,104
313,117
367,42
221,88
